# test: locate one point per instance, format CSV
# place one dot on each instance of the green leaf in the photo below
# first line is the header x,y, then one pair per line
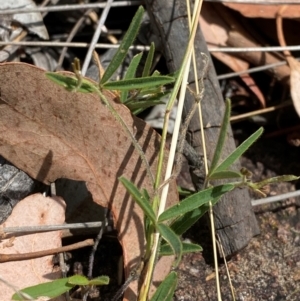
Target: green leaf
x,y
185,222
166,250
70,83
101,280
124,47
152,94
239,151
78,280
194,201
139,198
183,192
284,178
157,73
130,73
225,174
222,137
166,289
172,239
138,83
133,106
148,64
49,289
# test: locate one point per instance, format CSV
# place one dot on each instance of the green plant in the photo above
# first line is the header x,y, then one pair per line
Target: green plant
x,y
162,227
58,287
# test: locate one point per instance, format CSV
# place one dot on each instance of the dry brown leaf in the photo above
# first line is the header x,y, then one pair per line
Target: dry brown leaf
x,y
239,36
295,83
35,210
51,133
215,32
264,11
292,62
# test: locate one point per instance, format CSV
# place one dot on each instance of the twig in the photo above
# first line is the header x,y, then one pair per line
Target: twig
x,y
71,36
48,228
96,36
134,275
253,70
275,198
259,112
71,44
68,7
26,256
94,249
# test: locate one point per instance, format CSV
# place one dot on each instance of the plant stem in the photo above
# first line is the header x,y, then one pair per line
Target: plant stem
x,y
161,202
128,132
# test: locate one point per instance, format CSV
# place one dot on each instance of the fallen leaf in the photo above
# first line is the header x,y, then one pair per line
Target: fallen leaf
x,y
33,21
51,133
264,11
239,36
215,32
292,62
34,210
295,83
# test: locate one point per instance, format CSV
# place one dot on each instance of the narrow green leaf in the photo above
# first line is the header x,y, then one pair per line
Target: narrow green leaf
x,y
138,83
153,94
142,104
139,198
166,289
130,73
166,250
225,174
222,137
49,289
124,47
194,201
101,280
148,64
78,280
284,178
172,239
70,83
239,151
184,192
185,222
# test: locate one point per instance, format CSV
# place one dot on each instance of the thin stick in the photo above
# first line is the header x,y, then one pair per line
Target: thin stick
x,y
134,275
71,36
71,44
68,7
94,249
48,228
96,36
275,198
241,117
200,94
26,256
227,270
